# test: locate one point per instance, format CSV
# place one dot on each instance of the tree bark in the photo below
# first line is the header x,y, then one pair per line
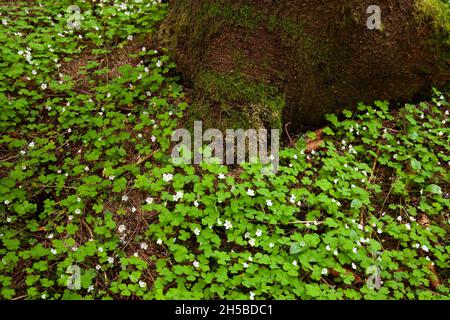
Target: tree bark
x,y
262,63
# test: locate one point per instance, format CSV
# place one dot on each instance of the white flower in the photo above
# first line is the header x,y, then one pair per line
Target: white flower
x,y
355,250
408,226
153,138
324,271
228,225
44,86
269,203
31,144
197,231
122,228
250,193
124,198
399,218
86,169
149,200
259,233
167,177
425,248
251,242
328,248
295,263
353,266
143,246
110,260
221,176
159,63
77,211
142,284
245,265
196,203
196,264
100,249
44,296
90,288
6,202
271,245
135,254
53,251
130,38
8,219
335,252
50,236
98,267
133,209
178,196
292,199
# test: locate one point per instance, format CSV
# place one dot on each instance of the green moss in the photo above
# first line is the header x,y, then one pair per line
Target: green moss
x,y
229,101
437,11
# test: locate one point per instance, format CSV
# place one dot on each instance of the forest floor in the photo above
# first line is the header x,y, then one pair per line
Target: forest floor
x,y
88,191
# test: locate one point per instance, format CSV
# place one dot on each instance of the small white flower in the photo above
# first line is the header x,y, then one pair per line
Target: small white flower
x,y
77,211
53,251
328,248
179,195
355,250
44,86
353,266
122,228
153,138
90,288
44,296
136,255
167,177
149,200
196,203
143,246
133,209
228,225
124,198
250,193
425,248
110,260
98,267
130,38
252,296
196,264
6,202
31,144
8,219
245,265
251,242
399,218
142,284
100,249
324,271
292,199
408,226
197,231
379,231
295,263
159,242
221,176
335,252
269,203
50,236
271,245
259,233
86,169
159,63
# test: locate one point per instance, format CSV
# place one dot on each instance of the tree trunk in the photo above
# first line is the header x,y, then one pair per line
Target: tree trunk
x,y
254,63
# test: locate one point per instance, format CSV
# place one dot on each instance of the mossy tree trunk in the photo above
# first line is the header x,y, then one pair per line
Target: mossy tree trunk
x,y
255,63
